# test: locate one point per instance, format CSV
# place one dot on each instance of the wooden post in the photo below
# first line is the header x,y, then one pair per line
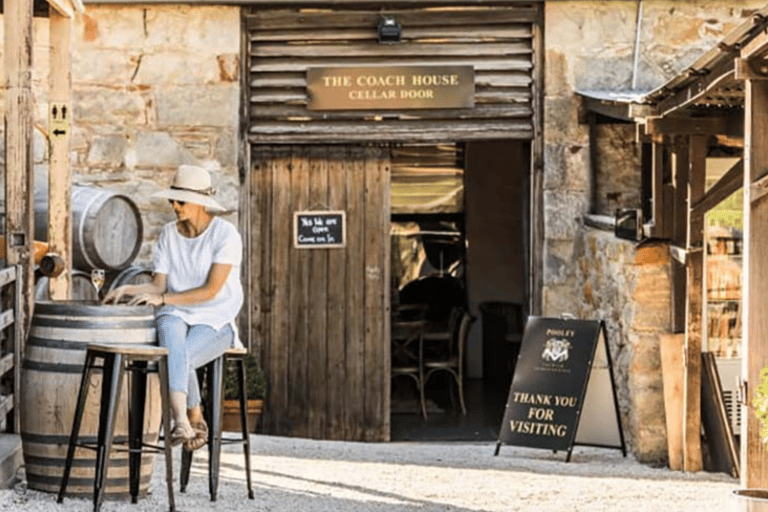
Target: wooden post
x,y
59,125
754,455
692,460
679,231
19,178
657,187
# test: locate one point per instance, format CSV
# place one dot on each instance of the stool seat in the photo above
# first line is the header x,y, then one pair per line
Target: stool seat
x,y
236,351
117,360
148,352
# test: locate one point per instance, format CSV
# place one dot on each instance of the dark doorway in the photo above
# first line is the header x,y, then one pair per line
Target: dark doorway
x,y
468,250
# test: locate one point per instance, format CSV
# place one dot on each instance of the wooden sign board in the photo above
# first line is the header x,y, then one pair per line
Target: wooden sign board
x,y
319,229
390,87
563,391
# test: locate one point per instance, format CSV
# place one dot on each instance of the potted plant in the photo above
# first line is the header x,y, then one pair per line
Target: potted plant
x,y
255,392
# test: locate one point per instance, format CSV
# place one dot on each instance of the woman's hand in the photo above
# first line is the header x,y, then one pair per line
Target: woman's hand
x,y
150,299
116,295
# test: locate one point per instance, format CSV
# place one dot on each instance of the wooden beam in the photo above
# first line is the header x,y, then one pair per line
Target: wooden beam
x,y
730,125
758,190
754,456
757,47
657,187
679,232
750,69
692,459
62,8
728,183
536,245
59,127
19,175
623,111
719,75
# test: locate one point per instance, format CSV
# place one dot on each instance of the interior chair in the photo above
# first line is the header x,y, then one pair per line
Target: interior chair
x,y
406,348
450,358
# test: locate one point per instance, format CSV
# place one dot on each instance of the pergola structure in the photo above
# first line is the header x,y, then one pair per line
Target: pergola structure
x,y
721,100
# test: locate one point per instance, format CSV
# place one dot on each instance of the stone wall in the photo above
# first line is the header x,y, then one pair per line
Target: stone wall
x,y
153,87
590,46
629,288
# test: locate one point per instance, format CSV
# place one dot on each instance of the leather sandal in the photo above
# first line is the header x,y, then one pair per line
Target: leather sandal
x,y
199,440
181,434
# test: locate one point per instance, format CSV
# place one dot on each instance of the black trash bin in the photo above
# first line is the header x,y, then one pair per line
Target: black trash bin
x,y
502,334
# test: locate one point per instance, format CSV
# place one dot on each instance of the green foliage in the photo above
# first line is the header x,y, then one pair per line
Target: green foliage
x,y
255,380
760,401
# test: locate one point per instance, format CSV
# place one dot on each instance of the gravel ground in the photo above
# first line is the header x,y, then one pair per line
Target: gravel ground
x,y
299,475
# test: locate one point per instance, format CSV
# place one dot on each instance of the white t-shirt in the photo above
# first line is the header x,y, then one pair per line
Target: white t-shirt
x,y
186,263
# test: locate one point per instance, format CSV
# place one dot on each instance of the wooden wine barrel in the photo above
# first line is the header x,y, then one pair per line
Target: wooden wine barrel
x,y
50,378
135,274
81,291
106,228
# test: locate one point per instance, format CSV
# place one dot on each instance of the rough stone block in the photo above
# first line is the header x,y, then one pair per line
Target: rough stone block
x,y
566,166
107,150
109,106
199,106
105,26
199,29
561,121
177,68
156,149
562,213
115,66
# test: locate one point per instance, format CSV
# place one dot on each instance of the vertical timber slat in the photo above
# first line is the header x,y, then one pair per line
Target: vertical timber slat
x,y
318,301
279,320
299,276
657,186
354,414
692,460
59,203
255,248
337,305
376,287
19,178
679,235
754,458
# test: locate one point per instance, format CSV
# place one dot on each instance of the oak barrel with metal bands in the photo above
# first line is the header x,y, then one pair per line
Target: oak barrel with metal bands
x,y
107,230
50,379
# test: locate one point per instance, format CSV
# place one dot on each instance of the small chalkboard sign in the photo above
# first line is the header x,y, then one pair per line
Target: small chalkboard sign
x,y
563,388
319,229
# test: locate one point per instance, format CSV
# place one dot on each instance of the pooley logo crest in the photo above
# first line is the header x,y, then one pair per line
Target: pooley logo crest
x,y
556,350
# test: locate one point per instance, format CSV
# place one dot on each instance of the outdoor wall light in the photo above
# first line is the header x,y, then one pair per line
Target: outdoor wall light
x,y
390,31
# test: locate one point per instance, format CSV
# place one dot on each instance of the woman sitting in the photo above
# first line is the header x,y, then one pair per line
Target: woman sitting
x,y
196,287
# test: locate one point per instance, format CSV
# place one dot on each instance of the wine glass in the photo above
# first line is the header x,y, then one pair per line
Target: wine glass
x,y
97,279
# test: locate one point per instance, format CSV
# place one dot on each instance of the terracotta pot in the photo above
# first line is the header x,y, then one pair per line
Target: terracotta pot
x,y
231,415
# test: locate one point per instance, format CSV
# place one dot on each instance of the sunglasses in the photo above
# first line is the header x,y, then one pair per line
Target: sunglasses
x,y
181,203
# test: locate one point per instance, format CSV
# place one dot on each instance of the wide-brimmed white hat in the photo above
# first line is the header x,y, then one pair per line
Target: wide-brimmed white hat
x,y
192,184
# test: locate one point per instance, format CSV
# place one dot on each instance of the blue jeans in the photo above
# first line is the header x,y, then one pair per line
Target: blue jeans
x,y
190,347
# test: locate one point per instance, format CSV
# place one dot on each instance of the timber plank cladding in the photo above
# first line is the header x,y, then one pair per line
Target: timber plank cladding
x,y
496,41
321,316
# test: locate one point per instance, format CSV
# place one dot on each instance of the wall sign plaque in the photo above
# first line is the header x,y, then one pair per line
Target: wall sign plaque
x,y
319,229
562,391
390,87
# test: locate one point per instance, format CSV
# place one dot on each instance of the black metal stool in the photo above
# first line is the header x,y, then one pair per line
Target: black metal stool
x,y
213,411
117,359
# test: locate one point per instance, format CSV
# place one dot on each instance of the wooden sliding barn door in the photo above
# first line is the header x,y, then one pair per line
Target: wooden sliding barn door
x,y
320,316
